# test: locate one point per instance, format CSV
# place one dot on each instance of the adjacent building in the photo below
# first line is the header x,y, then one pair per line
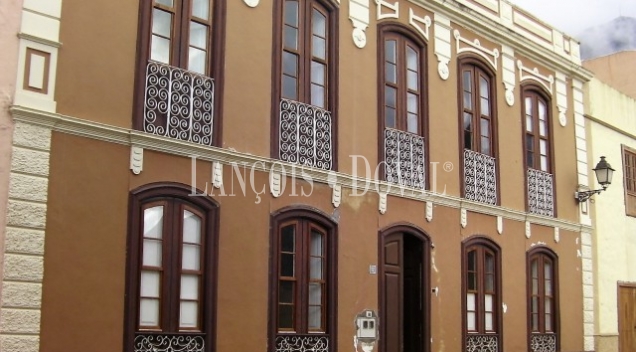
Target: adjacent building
x,y
296,175
611,122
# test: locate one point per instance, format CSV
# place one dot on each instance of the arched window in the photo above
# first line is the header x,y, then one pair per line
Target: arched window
x,y
403,91
477,129
537,147
305,75
178,60
481,267
171,270
303,292
543,313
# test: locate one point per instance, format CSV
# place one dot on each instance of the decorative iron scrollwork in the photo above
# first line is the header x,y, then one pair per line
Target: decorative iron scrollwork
x,y
169,343
299,343
540,193
543,343
404,158
305,135
480,177
482,343
178,103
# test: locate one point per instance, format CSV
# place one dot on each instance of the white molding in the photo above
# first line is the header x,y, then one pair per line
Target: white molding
x,y
217,174
382,202
275,180
336,195
395,8
557,235
500,225
508,70
251,3
417,22
136,159
562,97
475,46
535,75
112,134
429,211
442,30
463,217
32,99
528,229
359,14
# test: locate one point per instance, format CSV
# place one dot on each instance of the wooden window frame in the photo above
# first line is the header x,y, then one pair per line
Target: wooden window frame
x,y
176,197
304,218
329,8
477,69
537,94
482,245
629,179
215,62
542,253
404,36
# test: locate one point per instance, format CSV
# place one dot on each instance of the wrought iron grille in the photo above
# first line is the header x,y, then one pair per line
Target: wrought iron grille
x,y
305,134
543,342
302,343
169,343
480,177
482,343
404,158
540,192
178,103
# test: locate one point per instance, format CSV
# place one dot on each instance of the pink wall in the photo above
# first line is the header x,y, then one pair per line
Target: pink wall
x,y
10,16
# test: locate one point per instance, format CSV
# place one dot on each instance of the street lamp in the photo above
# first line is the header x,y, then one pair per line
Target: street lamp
x,y
604,173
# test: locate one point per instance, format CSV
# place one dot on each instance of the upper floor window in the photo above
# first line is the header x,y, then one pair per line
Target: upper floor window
x,y
537,149
403,97
629,178
477,123
303,314
176,91
482,292
171,277
542,300
305,73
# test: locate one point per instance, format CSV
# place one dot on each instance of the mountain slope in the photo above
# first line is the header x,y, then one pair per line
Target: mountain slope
x,y
614,36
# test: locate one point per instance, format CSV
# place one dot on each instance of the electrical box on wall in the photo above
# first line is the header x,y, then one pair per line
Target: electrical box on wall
x,y
367,325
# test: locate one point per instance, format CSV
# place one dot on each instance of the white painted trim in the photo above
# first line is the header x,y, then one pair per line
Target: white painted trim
x,y
395,8
535,75
417,22
475,46
89,129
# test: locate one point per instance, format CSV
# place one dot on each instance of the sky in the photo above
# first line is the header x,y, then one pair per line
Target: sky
x,y
573,16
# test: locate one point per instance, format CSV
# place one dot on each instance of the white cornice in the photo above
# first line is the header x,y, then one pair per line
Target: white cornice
x,y
130,137
500,34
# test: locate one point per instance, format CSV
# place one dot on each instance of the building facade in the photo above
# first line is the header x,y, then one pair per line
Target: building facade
x,y
610,122
297,175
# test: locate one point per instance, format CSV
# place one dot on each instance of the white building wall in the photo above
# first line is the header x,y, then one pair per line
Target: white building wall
x,y
611,123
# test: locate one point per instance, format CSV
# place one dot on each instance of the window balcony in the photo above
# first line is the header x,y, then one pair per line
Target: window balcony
x,y
482,343
178,104
404,158
302,343
169,342
305,135
540,192
480,177
543,342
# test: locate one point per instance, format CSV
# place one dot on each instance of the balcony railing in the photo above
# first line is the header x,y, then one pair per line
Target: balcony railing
x,y
404,158
540,192
480,177
482,343
305,135
178,104
543,343
169,343
302,343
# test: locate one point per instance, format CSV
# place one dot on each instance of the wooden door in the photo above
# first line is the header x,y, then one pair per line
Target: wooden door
x,y
403,298
392,293
627,318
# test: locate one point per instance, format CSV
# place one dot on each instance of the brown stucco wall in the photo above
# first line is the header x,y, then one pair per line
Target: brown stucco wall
x,y
96,63
617,70
85,263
